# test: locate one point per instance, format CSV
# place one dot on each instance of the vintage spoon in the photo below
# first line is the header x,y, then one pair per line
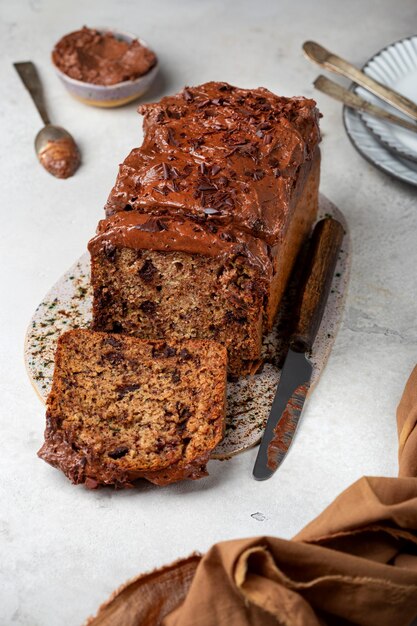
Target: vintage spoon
x,y
333,63
55,147
352,100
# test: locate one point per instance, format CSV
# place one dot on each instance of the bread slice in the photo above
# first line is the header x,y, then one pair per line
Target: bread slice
x,y
121,408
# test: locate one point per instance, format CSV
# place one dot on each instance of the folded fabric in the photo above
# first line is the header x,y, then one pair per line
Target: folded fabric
x,y
407,428
356,563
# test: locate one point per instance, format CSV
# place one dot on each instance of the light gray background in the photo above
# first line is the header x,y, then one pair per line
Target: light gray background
x,y
64,549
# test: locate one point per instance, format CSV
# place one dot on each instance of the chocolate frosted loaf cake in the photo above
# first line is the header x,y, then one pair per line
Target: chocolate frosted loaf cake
x,y
228,165
121,408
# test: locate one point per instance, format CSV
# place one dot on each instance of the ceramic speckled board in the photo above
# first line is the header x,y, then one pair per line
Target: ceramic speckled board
x,y
68,305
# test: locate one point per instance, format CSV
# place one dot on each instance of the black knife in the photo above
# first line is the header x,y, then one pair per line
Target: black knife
x,y
296,373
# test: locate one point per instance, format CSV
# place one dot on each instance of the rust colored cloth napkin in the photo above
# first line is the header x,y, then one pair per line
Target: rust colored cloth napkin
x,y
356,563
407,428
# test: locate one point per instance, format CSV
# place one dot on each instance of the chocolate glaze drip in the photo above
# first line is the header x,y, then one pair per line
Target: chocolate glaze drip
x,y
140,231
81,467
100,58
223,154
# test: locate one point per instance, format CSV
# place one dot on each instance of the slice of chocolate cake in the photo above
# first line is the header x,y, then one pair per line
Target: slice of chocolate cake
x,y
121,408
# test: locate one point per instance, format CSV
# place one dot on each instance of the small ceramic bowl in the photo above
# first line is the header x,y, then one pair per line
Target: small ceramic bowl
x,y
110,95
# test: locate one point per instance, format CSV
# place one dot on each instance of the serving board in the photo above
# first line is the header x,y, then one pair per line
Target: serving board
x,y
68,305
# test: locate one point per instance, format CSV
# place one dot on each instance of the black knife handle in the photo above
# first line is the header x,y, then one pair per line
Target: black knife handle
x,y
321,262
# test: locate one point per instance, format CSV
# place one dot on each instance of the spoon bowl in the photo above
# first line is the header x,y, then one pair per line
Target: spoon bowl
x,y
48,133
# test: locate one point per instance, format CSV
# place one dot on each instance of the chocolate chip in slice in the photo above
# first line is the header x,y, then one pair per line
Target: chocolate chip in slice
x,y
123,390
147,271
169,351
112,341
184,354
148,307
118,452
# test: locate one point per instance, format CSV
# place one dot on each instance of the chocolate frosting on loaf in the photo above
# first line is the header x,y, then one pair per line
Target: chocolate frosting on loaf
x,y
222,154
135,230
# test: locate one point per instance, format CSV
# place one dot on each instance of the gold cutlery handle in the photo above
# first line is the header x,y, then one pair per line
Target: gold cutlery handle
x,y
352,100
30,79
336,64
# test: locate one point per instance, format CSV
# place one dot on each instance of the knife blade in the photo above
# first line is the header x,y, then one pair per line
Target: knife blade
x,y
296,373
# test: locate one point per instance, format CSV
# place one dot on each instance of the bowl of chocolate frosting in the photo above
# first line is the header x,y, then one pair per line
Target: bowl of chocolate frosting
x,y
103,67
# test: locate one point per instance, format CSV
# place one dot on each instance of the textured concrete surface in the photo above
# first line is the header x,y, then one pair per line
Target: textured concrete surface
x,y
64,549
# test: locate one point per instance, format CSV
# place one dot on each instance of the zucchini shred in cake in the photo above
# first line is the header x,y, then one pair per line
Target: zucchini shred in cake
x,y
123,408
207,217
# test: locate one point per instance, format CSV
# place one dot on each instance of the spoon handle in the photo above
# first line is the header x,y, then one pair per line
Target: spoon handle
x,y
30,78
352,100
333,63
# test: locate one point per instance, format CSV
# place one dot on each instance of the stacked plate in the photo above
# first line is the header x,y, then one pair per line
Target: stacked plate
x,y
389,147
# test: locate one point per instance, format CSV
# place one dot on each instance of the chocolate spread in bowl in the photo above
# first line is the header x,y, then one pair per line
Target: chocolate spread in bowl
x,y
101,58
60,158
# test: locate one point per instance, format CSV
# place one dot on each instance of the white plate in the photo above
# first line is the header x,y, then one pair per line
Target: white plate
x,y
68,305
373,151
396,67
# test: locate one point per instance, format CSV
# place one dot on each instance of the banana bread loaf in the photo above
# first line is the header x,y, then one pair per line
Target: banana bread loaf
x,y
221,164
121,408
